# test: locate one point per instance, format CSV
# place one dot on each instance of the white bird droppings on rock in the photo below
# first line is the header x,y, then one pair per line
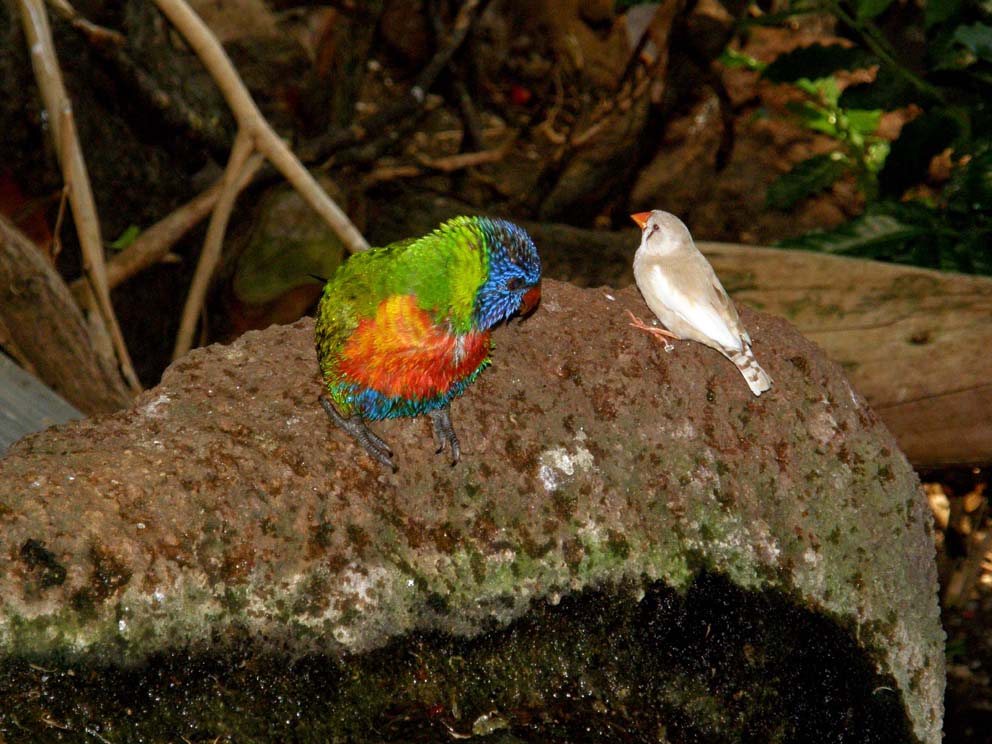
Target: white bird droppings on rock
x,y
558,464
152,407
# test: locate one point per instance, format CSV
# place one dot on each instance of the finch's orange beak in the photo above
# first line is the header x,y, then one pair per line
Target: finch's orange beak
x,y
641,218
530,299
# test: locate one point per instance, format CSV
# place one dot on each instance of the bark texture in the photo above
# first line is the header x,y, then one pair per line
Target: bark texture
x,y
41,322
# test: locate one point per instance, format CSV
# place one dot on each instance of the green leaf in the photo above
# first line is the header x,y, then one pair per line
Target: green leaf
x,y
969,252
806,179
920,140
874,234
976,39
908,232
938,11
125,239
814,117
875,155
735,59
817,61
872,8
826,89
863,122
961,47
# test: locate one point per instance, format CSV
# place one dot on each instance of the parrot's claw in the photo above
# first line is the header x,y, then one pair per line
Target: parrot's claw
x,y
444,433
355,425
660,334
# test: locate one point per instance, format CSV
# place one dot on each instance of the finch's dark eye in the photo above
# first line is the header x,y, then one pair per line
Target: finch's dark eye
x,y
513,284
655,228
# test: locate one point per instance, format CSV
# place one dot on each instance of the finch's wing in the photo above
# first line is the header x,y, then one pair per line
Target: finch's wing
x,y
691,290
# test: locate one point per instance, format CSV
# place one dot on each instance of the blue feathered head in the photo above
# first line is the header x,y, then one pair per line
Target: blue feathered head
x,y
514,281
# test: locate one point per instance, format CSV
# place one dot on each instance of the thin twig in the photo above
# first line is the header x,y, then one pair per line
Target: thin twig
x,y
253,124
391,173
59,108
970,571
175,112
321,148
97,35
447,164
451,163
57,230
152,246
472,139
240,168
880,46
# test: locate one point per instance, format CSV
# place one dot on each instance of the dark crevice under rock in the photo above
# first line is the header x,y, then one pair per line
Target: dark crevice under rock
x,y
717,663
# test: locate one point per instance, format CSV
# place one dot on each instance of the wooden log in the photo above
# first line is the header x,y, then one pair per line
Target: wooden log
x,y
41,325
914,342
27,405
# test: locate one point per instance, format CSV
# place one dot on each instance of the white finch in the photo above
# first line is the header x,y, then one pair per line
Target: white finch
x,y
680,287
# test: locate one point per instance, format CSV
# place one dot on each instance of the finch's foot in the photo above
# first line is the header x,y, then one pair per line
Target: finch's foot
x,y
444,433
660,334
355,426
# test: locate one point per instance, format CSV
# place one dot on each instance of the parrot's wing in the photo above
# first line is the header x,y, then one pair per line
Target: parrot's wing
x,y
400,352
695,295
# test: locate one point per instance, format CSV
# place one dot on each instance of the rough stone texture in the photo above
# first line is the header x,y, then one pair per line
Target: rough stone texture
x,y
223,500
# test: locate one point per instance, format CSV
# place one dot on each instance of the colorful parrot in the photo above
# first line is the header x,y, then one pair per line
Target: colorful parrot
x,y
404,329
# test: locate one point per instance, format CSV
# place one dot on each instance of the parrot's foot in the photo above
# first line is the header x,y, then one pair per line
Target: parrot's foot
x,y
355,426
660,334
444,433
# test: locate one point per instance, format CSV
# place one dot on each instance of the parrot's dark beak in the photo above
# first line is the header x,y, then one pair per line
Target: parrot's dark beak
x,y
530,299
641,218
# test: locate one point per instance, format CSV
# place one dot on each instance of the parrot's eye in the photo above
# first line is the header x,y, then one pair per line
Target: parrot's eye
x,y
513,284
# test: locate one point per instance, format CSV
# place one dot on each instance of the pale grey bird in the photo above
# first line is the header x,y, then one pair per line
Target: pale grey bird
x,y
679,286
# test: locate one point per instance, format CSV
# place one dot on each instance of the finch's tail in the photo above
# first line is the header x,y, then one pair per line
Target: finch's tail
x,y
757,379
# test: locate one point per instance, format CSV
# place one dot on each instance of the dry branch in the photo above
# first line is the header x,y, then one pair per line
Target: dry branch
x,y
254,133
153,244
111,46
240,168
250,119
59,109
320,148
97,35
447,164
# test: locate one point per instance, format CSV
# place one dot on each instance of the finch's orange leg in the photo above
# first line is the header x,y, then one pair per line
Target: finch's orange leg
x,y
660,334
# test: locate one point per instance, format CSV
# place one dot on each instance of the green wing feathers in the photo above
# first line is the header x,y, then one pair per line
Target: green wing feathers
x,y
443,270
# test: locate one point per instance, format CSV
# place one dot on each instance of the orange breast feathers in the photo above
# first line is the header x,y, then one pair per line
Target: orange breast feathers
x,y
401,352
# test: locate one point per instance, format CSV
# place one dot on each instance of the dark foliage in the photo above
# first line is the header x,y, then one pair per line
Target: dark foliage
x,y
909,217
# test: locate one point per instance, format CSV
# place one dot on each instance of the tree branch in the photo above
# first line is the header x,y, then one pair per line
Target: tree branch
x,y
320,148
175,112
252,123
59,108
240,168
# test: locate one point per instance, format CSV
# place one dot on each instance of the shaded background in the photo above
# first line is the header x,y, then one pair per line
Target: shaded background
x,y
755,122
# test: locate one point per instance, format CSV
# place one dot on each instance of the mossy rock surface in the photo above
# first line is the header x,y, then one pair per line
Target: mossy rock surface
x,y
223,512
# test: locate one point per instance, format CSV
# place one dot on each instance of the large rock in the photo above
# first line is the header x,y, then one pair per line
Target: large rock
x,y
223,504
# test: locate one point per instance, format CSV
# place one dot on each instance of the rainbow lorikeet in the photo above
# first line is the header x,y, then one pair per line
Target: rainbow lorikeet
x,y
402,330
